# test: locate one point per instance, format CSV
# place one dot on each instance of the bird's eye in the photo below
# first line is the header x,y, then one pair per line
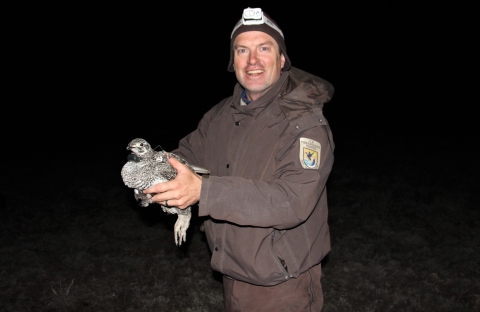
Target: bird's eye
x,y
141,144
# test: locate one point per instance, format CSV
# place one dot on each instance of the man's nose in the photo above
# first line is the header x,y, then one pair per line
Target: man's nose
x,y
252,58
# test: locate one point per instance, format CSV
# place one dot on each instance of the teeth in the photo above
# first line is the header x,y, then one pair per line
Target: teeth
x,y
255,72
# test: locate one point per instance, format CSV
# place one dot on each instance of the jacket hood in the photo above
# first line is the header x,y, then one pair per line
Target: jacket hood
x,y
307,88
301,92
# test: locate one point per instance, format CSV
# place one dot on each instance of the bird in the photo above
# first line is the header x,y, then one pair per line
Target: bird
x,y
146,167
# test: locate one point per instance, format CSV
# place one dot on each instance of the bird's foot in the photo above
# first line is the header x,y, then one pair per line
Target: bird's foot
x,y
181,226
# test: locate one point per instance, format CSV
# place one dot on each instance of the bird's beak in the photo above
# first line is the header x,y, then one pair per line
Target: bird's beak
x,y
128,147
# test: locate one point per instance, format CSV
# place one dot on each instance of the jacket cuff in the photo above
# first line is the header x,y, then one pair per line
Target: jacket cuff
x,y
202,205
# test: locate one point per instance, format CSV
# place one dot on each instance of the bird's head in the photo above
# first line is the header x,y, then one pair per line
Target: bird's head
x,y
140,148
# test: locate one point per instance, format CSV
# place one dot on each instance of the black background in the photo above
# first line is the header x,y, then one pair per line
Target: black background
x,y
83,79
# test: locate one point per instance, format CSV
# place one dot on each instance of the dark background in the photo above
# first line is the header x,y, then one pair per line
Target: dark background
x,y
89,73
84,79
81,80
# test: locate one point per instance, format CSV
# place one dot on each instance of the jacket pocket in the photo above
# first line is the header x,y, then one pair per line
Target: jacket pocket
x,y
287,258
280,261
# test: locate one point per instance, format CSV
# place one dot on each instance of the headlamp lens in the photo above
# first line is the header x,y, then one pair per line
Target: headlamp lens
x,y
252,16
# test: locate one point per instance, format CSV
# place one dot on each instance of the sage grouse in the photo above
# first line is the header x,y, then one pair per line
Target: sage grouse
x,y
146,167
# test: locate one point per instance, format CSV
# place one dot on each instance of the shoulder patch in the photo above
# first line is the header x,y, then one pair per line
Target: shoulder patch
x,y
310,151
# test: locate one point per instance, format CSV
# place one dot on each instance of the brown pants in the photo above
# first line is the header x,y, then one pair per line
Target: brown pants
x,y
303,293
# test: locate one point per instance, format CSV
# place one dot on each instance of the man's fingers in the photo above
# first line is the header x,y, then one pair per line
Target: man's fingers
x,y
175,163
157,188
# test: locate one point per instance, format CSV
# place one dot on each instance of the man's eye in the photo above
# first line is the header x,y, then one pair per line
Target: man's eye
x,y
264,48
241,50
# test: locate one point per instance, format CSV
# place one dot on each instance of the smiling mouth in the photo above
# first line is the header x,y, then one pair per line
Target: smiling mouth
x,y
255,72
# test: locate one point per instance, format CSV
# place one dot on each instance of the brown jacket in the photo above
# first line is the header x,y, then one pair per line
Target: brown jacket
x,y
266,197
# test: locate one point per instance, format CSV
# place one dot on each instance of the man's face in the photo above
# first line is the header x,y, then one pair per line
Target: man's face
x,y
257,62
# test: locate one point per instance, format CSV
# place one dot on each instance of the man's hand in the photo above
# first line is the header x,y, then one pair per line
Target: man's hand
x,y
181,192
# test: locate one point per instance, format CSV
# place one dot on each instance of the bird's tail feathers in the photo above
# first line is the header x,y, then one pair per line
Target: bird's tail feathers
x,y
200,170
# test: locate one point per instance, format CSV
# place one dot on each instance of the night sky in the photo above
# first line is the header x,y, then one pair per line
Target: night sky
x,y
87,78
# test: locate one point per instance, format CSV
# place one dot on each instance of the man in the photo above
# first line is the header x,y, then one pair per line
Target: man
x,y
269,149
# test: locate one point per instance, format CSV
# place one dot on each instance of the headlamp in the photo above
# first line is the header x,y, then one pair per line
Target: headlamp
x,y
255,17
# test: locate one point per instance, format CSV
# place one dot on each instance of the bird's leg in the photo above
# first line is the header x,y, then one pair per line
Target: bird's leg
x,y
181,226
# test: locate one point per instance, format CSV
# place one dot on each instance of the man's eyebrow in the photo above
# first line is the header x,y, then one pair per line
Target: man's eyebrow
x,y
268,42
236,46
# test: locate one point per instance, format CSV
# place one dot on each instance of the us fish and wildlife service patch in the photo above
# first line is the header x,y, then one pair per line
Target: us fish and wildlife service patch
x,y
310,153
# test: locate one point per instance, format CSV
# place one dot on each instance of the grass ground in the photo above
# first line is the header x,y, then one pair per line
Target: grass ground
x,y
405,237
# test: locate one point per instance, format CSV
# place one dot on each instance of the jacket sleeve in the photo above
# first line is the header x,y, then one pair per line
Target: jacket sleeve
x,y
282,203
